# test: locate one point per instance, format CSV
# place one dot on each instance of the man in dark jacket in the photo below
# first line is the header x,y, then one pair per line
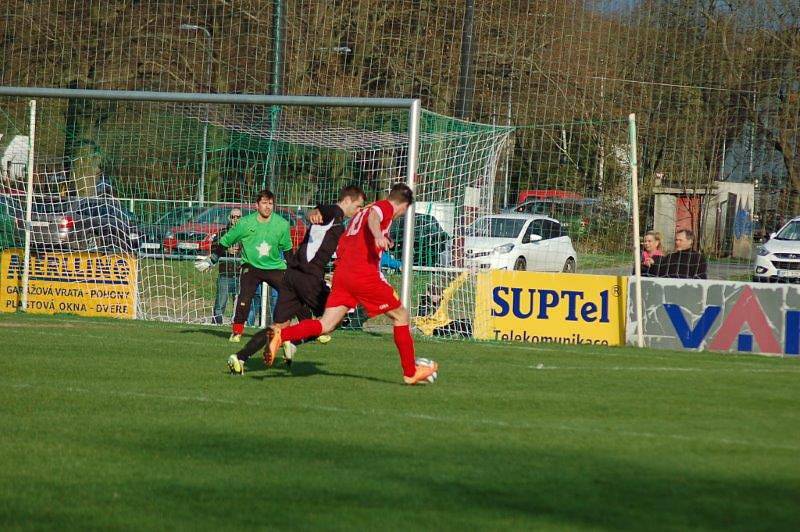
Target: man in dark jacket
x,y
684,262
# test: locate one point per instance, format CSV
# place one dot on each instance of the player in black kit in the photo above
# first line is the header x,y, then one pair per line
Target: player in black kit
x,y
304,288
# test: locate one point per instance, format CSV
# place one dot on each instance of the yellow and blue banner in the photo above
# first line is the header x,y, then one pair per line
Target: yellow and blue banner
x,y
550,307
87,284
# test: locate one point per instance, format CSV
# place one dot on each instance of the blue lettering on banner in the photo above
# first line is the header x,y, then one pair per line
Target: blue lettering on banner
x,y
516,302
691,337
792,343
744,342
523,303
502,303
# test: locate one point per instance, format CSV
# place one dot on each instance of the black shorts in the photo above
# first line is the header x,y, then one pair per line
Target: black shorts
x,y
300,293
249,280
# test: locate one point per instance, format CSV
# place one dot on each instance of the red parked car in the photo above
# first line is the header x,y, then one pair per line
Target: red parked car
x,y
198,235
547,194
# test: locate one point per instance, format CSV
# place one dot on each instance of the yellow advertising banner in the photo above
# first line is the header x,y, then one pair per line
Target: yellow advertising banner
x,y
87,284
550,307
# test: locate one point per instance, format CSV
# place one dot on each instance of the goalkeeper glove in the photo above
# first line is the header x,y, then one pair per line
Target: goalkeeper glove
x,y
203,264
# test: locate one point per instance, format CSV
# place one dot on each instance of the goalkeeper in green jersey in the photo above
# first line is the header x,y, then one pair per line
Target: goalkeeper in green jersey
x,y
265,242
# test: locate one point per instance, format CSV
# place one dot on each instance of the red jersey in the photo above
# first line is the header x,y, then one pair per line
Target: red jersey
x,y
357,250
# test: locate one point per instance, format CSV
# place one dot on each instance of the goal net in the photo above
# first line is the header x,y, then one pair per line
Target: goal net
x,y
130,193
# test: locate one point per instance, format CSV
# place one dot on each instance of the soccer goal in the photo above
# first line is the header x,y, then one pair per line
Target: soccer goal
x,y
110,195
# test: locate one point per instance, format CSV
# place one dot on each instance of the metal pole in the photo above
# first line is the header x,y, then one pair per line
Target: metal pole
x,y
202,97
277,84
637,259
204,162
277,48
466,84
28,207
201,192
209,60
509,151
266,293
408,233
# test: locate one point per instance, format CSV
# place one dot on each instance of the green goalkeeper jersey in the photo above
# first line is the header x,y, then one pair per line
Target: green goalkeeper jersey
x,y
262,242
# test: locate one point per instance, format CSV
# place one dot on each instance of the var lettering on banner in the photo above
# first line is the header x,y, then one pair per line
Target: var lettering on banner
x,y
720,316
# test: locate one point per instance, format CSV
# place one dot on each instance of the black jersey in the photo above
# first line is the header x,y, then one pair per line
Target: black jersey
x,y
319,243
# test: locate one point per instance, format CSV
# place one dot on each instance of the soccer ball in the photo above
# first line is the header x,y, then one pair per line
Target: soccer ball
x,y
428,362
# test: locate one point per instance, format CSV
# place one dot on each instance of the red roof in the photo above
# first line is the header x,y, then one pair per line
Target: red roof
x,y
548,193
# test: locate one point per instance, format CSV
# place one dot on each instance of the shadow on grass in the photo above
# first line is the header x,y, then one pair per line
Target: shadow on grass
x,y
300,368
475,484
220,333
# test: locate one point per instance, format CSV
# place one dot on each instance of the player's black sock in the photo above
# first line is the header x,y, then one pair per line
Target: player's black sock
x,y
256,343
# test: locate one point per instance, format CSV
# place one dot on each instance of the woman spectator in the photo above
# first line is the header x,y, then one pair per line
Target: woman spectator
x,y
652,249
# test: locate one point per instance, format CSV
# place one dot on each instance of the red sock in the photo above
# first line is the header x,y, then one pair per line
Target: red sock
x,y
238,328
405,346
303,330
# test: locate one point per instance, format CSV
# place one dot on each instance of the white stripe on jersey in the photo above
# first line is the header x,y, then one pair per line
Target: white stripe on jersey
x,y
315,237
378,211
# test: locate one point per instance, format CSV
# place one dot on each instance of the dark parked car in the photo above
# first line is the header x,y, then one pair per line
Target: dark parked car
x,y
574,214
11,210
153,234
197,236
431,242
82,224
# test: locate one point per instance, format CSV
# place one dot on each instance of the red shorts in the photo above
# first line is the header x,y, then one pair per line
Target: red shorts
x,y
371,291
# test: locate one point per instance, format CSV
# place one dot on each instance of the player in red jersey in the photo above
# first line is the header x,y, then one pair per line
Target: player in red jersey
x,y
357,280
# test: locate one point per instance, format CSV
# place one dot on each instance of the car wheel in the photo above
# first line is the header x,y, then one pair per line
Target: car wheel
x,y
520,264
569,266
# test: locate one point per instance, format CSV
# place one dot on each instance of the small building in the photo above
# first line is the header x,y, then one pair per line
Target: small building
x,y
721,216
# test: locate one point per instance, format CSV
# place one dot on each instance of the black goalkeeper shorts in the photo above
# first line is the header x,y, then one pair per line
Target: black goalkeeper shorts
x,y
300,296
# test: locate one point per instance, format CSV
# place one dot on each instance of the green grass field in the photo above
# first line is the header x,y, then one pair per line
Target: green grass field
x,y
113,424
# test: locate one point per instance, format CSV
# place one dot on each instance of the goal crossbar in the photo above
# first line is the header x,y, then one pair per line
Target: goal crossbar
x,y
204,97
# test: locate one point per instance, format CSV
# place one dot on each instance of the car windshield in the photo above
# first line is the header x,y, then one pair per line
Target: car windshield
x,y
218,215
557,209
790,232
497,227
178,216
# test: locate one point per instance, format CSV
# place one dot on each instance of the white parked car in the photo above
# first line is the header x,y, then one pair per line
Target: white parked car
x,y
778,259
519,242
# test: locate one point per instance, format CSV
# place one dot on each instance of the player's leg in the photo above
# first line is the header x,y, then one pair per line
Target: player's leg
x,y
412,374
287,307
288,303
377,297
338,303
237,362
220,300
403,340
248,281
305,329
315,299
283,311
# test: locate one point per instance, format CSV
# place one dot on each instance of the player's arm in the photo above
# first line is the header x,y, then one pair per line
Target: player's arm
x,y
285,243
322,214
230,237
374,224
